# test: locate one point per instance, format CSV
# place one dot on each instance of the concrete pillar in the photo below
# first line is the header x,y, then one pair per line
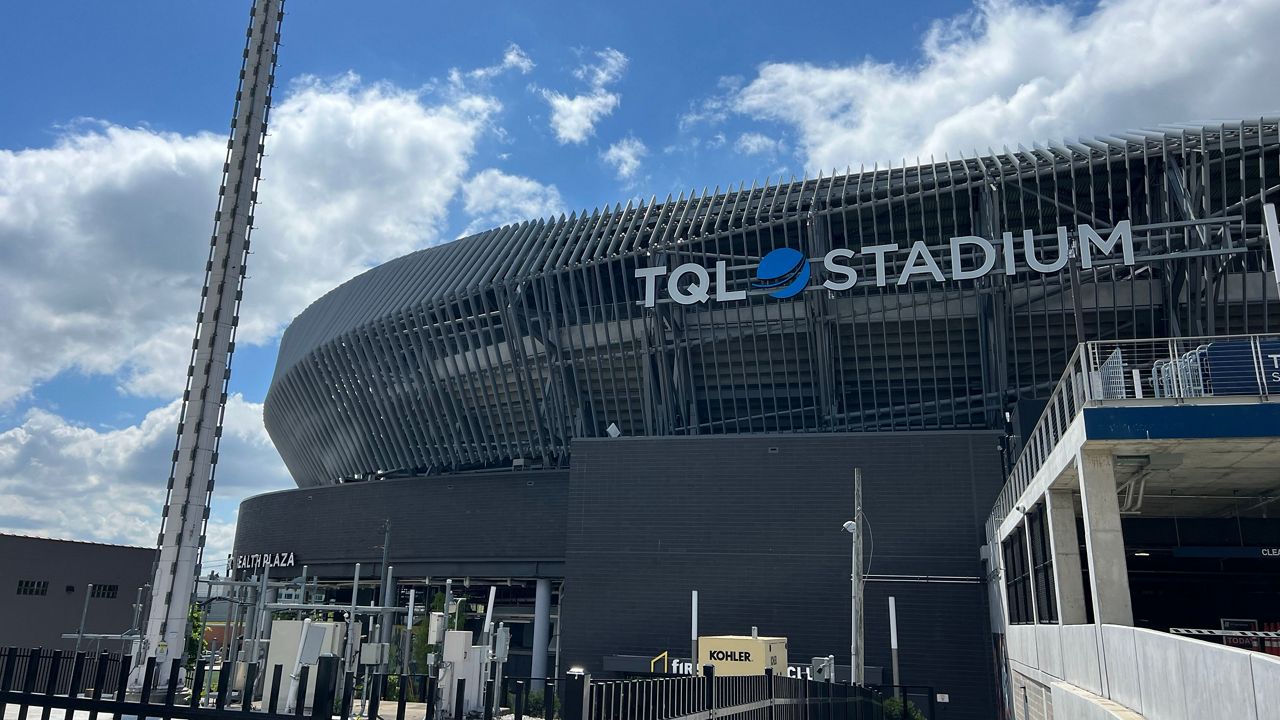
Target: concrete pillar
x,y
541,633
1068,583
1108,568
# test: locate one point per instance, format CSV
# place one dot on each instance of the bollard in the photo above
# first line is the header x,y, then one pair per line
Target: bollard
x,y
519,700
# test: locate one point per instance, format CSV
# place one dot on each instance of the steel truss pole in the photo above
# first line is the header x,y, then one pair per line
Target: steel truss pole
x,y
186,510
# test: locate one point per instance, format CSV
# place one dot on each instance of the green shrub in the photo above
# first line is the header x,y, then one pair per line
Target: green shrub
x,y
893,710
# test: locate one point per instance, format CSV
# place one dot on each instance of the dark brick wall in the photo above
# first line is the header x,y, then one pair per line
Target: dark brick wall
x,y
40,620
758,534
508,524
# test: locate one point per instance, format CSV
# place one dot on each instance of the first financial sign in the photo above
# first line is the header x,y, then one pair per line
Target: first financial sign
x,y
786,272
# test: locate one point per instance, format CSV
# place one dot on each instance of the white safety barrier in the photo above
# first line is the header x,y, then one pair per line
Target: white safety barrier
x,y
1159,675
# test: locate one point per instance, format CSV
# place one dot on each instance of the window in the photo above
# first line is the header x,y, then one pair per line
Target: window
x,y
1042,565
107,592
1017,578
33,587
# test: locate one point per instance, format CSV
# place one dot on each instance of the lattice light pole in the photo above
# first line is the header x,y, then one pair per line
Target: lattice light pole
x,y
186,509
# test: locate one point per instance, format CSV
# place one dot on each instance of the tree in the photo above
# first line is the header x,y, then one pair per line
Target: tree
x,y
196,644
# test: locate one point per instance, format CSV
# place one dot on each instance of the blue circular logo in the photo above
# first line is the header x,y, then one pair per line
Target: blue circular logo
x,y
785,271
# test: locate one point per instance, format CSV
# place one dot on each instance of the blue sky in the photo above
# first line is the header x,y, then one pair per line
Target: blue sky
x,y
404,124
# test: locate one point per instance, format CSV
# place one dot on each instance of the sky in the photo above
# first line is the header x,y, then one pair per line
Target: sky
x,y
398,125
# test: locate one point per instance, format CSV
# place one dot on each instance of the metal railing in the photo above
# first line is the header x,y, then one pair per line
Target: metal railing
x,y
756,697
1131,372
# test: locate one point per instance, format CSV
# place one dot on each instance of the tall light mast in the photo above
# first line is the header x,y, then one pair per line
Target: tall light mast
x,y
186,508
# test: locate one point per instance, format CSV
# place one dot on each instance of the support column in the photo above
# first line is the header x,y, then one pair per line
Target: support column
x,y
541,633
1108,568
1068,582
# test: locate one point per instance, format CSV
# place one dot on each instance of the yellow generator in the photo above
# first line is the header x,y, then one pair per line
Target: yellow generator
x,y
743,654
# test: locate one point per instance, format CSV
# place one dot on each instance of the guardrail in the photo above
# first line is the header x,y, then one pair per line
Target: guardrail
x,y
1102,372
1159,675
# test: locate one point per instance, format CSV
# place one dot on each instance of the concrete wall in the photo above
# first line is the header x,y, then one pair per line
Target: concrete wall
x,y
1031,700
1072,703
1158,675
481,524
68,567
754,524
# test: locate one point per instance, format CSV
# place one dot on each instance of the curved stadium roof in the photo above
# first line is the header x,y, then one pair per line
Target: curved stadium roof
x,y
508,344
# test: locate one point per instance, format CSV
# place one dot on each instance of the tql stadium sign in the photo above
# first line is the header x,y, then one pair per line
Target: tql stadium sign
x,y
786,272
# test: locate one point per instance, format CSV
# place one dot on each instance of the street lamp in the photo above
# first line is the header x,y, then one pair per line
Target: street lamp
x,y
851,527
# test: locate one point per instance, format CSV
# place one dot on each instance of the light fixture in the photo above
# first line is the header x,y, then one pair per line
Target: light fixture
x,y
850,526
577,670
1142,553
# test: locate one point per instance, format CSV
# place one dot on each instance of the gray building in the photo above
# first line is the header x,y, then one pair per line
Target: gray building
x,y
602,412
43,584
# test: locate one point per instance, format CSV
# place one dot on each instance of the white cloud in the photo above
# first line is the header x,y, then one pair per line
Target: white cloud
x,y
514,58
609,69
573,118
754,143
625,156
103,235
715,109
118,477
1013,72
493,198
103,240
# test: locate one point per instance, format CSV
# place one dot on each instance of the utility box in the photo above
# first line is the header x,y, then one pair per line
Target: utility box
x,y
743,654
463,661
375,653
287,641
435,628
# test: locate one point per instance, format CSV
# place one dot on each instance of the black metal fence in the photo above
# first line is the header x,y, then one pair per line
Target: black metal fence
x,y
36,681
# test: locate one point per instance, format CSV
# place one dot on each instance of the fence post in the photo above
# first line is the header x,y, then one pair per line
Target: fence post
x,y
709,688
768,691
250,682
430,699
304,677
322,698
51,682
574,705
402,696
348,692
519,700
273,699
29,679
197,682
99,679
374,695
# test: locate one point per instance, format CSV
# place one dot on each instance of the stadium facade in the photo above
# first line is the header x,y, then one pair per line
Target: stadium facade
x,y
687,386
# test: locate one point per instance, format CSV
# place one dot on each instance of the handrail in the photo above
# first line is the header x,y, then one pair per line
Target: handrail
x,y
1129,372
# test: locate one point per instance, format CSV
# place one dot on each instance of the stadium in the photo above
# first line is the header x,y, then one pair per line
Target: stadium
x,y
603,412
